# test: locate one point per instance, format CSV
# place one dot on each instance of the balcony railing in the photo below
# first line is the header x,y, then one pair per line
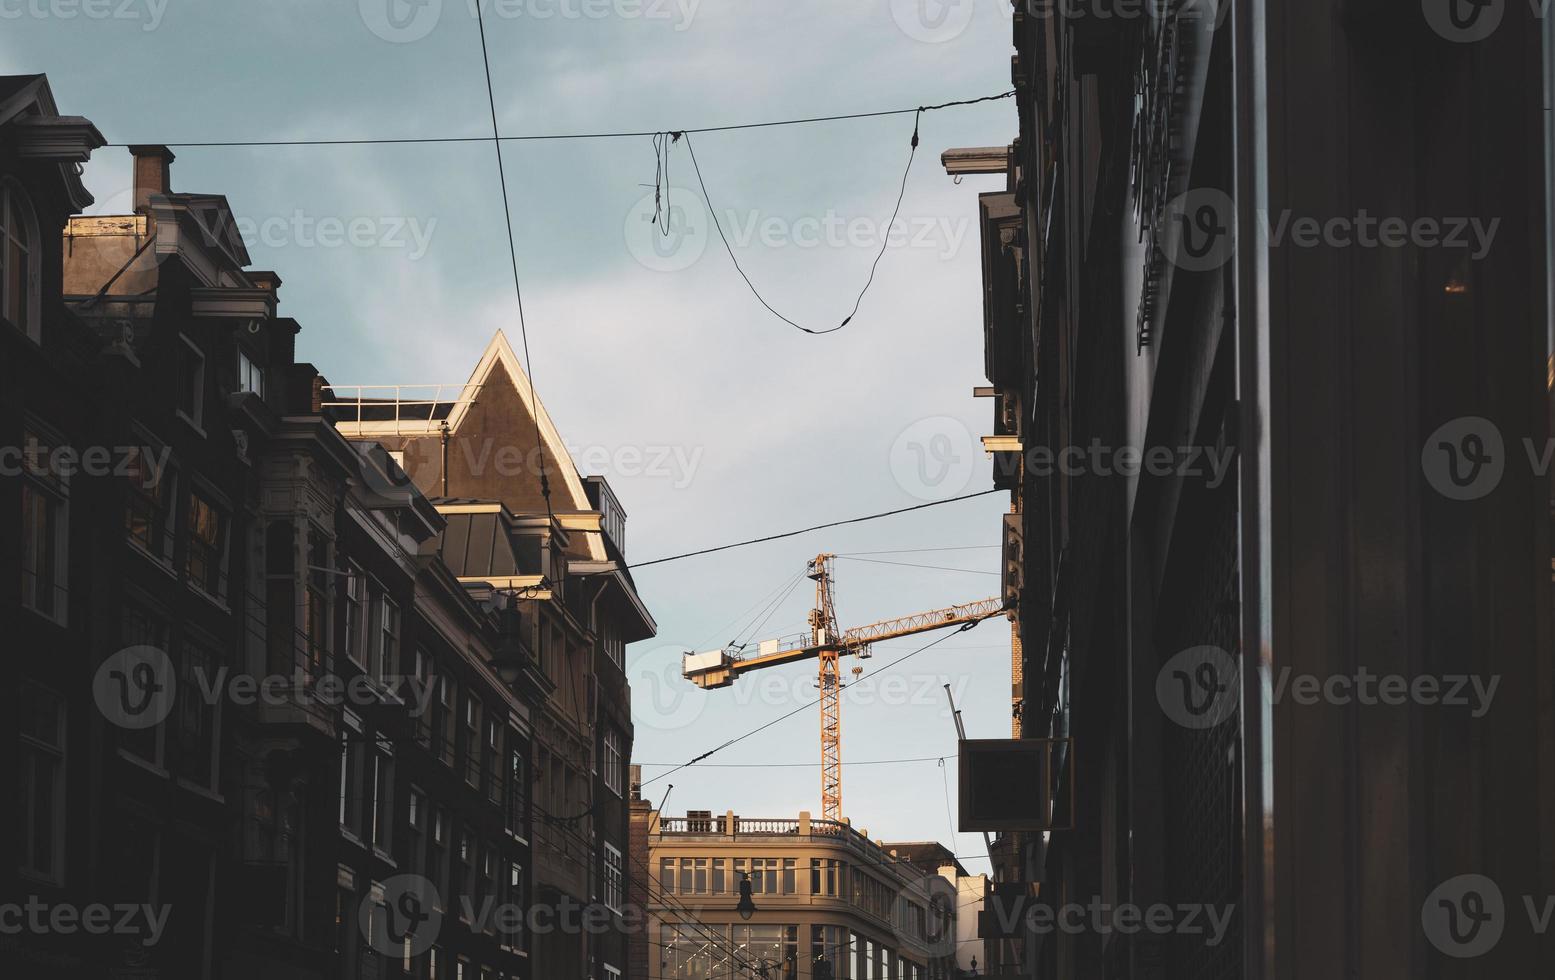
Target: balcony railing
x,y
804,828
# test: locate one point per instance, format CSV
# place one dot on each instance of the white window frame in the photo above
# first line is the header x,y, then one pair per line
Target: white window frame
x,y
615,763
17,212
387,627
251,375
356,626
613,879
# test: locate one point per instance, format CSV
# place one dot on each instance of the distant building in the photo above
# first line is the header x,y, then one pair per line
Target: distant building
x,y
828,901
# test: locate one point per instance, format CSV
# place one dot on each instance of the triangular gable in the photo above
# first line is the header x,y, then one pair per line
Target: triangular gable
x,y
567,493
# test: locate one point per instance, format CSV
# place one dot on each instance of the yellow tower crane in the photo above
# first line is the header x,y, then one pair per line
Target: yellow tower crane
x,y
827,644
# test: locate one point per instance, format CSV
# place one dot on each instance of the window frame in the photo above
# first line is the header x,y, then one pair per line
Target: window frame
x,y
30,750
197,417
16,203
612,878
53,489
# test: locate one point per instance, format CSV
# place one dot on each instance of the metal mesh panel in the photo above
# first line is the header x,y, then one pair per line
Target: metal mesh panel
x,y
1202,771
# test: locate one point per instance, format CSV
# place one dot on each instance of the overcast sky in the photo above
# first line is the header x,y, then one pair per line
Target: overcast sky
x,y
713,420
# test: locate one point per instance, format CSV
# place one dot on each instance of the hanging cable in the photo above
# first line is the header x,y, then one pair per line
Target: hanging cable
x,y
884,239
518,292
908,564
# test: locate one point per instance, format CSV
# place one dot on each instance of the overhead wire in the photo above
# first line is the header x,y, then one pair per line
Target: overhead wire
x,y
908,564
810,704
370,141
518,292
817,527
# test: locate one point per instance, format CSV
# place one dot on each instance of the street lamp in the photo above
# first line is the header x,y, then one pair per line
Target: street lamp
x,y
746,908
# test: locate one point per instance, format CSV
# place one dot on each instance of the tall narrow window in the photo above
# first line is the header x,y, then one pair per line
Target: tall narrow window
x,y
42,759
353,598
199,721
207,564
317,611
615,762
149,516
518,786
45,530
142,627
614,883
191,382
19,261
386,651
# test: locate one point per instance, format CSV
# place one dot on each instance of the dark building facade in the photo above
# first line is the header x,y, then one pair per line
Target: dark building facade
x,y
261,729
1305,395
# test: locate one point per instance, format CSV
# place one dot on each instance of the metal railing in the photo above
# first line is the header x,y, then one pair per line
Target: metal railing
x,y
402,409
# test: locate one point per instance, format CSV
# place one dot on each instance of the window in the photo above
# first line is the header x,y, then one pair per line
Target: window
x,y
448,720
491,762
251,377
387,644
518,786
615,764
611,639
316,626
512,926
382,793
19,261
469,738
207,562
198,737
437,859
45,531
464,867
42,759
353,597
667,875
150,516
612,972
350,771
142,627
614,883
191,382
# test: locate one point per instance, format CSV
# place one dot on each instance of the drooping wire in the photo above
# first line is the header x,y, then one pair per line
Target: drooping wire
x,y
518,292
662,211
884,239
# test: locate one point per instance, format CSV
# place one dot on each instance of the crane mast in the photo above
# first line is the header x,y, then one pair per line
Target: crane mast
x,y
827,644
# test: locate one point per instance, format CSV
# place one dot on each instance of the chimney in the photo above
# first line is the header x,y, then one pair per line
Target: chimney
x,y
152,166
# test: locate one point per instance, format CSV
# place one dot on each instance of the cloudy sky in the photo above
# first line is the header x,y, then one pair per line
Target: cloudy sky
x,y
713,420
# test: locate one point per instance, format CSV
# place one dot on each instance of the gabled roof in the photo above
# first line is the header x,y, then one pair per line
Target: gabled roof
x,y
27,106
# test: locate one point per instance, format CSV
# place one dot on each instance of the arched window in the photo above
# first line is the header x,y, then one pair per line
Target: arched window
x,y
19,260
